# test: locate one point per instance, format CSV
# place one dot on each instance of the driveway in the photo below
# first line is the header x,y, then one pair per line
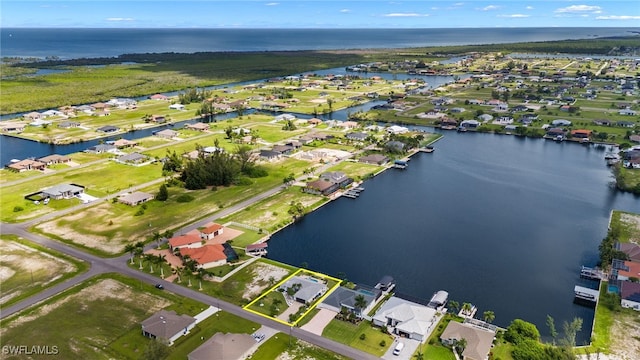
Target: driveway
x,y
410,346
320,321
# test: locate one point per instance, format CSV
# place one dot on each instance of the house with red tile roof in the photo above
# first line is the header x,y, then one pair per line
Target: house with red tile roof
x,y
207,256
211,231
189,240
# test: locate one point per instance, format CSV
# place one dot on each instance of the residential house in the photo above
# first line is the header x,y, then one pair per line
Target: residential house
x,y
27,164
224,347
166,325
107,129
337,177
321,187
314,121
479,340
102,148
135,198
197,126
284,117
258,249
345,298
158,119
560,122
485,117
625,270
133,158
63,191
395,129
159,97
269,155
32,116
305,290
124,143
405,318
209,256
357,136
469,124
190,240
630,295
166,134
283,149
13,128
554,132
602,122
177,107
627,124
54,159
374,159
211,231
68,124
635,138
581,134
628,112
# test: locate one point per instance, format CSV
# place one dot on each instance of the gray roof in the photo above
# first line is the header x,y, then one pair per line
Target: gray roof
x,y
136,197
62,189
478,340
223,346
102,147
347,297
133,157
166,324
308,290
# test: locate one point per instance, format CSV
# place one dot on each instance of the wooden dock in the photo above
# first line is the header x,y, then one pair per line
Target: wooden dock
x,y
353,193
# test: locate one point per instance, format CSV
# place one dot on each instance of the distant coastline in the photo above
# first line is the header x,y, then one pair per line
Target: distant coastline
x,y
73,43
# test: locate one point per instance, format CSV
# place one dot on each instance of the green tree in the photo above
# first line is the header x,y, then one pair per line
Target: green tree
x,y
520,330
552,328
359,303
570,331
289,179
419,355
163,193
466,308
454,305
489,316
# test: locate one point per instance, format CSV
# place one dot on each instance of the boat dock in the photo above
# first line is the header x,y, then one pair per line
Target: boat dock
x,y
353,192
592,274
585,296
400,164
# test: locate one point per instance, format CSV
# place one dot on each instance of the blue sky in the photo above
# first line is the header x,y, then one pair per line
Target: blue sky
x,y
318,14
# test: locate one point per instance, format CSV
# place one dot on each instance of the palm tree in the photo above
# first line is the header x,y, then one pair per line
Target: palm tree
x,y
461,345
360,303
466,308
130,248
455,306
157,237
419,355
489,316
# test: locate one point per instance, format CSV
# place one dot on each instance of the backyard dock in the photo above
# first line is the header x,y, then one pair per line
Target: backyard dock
x,y
353,193
592,274
585,296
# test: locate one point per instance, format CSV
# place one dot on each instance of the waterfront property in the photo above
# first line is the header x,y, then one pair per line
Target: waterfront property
x,y
359,301
27,164
405,318
478,340
167,326
303,289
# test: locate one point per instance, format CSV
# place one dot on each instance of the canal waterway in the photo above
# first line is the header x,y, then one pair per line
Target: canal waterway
x,y
498,221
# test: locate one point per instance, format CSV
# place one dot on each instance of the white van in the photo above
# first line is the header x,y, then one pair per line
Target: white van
x,y
398,348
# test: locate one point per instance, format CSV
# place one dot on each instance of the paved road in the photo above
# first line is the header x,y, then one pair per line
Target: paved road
x,y
119,265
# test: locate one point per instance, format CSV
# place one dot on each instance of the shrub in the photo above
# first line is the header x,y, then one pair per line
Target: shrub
x,y
184,198
139,212
363,336
383,343
18,208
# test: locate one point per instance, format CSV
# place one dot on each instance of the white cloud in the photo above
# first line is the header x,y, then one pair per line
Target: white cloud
x,y
529,8
119,19
458,4
272,4
345,11
404,15
579,9
513,16
618,17
490,7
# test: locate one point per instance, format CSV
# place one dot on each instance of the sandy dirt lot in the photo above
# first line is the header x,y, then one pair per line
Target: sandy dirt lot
x,y
262,273
632,221
17,259
104,289
625,336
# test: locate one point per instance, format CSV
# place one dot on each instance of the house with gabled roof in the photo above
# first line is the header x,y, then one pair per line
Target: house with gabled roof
x,y
133,158
167,325
224,346
136,198
27,164
306,290
190,239
406,318
321,187
209,256
197,126
54,159
345,298
479,340
211,231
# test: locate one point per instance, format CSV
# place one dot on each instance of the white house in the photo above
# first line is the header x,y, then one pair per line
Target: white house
x,y
176,107
395,129
406,318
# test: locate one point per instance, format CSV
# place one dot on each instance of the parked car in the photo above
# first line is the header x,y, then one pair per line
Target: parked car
x,y
159,286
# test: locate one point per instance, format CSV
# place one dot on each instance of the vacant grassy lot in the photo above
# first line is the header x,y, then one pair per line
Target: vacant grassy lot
x,y
84,319
281,346
26,268
95,178
272,213
349,334
355,170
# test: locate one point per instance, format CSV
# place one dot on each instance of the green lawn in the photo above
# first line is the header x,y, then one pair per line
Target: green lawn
x,y
355,170
282,346
86,325
349,334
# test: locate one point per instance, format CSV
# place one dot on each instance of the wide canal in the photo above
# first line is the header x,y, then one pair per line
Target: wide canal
x,y
498,221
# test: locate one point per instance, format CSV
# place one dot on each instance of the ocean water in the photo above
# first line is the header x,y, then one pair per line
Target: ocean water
x,y
89,43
